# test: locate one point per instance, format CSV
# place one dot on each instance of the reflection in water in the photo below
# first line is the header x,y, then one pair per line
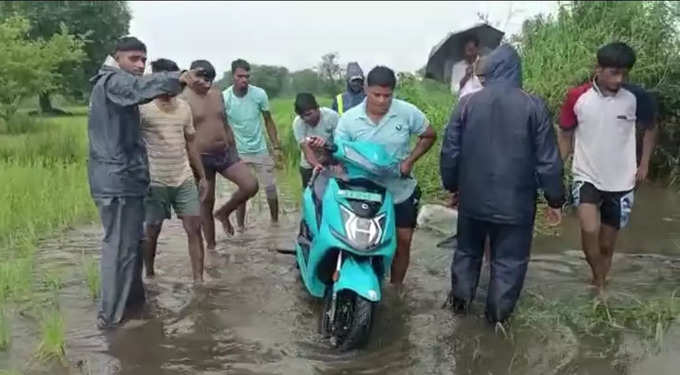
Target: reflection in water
x,y
252,315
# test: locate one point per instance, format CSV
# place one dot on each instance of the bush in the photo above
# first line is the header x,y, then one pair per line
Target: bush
x,y
436,101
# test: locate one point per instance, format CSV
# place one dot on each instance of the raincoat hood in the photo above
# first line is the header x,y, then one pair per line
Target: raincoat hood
x,y
349,98
353,71
503,65
110,65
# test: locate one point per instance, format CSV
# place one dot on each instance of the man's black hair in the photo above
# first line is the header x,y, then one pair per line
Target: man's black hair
x,y
164,65
305,101
129,43
239,63
381,76
471,38
616,55
208,70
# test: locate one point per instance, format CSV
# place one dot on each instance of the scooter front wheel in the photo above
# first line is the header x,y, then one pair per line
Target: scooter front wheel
x,y
353,319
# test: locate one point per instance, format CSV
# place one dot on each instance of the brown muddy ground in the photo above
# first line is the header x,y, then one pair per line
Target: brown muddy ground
x,y
253,316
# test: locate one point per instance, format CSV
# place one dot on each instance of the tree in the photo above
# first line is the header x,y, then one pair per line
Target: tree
x,y
100,23
269,77
306,80
29,67
330,73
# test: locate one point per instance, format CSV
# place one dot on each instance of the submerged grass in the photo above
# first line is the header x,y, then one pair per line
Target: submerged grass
x,y
648,318
53,336
90,268
5,330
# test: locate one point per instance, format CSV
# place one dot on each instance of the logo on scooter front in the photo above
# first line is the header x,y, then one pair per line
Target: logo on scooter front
x,y
362,231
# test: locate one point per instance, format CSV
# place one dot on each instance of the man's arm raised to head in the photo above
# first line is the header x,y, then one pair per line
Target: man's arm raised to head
x,y
126,89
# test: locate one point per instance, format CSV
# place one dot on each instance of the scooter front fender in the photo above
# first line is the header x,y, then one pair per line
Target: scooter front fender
x,y
357,274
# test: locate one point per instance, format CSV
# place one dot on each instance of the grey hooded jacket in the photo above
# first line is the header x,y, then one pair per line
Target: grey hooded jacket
x,y
118,165
500,147
350,98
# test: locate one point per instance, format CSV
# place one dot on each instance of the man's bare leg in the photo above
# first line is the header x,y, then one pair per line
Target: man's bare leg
x,y
240,175
192,226
241,218
608,235
149,244
207,220
589,218
402,256
273,203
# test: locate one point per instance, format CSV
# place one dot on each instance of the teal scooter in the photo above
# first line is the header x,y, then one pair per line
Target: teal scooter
x,y
347,239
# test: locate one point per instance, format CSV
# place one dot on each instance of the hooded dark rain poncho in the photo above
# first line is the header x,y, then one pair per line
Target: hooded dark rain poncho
x,y
119,178
499,149
349,97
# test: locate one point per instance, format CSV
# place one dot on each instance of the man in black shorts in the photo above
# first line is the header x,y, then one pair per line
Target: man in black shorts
x,y
598,125
215,142
391,123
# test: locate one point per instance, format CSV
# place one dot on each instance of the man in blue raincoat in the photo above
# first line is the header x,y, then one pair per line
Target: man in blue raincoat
x,y
118,170
499,148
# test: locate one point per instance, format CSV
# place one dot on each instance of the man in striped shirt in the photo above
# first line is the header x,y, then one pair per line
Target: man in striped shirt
x,y
167,128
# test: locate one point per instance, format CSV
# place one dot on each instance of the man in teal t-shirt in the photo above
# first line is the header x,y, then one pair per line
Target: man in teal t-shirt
x,y
391,123
247,109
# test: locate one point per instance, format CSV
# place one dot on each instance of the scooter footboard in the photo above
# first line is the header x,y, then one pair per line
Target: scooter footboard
x,y
357,274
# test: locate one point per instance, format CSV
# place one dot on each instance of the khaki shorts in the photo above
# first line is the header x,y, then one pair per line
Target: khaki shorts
x,y
263,167
183,199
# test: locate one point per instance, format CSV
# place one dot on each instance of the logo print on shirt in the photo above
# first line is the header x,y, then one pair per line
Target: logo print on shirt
x,y
398,127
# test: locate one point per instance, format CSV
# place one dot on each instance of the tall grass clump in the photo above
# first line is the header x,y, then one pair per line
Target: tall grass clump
x,y
44,181
558,52
52,336
5,331
15,278
90,268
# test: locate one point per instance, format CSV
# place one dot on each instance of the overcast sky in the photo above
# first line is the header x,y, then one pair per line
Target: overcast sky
x,y
296,34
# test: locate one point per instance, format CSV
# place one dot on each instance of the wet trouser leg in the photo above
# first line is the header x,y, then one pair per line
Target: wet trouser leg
x,y
510,249
467,259
121,259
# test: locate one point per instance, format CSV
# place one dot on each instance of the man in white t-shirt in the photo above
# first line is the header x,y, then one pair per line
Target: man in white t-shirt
x,y
598,125
312,121
463,79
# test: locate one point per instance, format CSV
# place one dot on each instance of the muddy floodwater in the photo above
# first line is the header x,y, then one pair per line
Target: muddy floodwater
x,y
253,316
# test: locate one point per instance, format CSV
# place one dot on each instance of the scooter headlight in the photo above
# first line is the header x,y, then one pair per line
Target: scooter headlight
x,y
362,233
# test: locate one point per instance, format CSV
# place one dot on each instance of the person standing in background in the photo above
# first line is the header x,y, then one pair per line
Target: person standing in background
x,y
247,109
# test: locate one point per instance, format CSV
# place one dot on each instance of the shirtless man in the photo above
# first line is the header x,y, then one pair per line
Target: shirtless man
x,y
215,142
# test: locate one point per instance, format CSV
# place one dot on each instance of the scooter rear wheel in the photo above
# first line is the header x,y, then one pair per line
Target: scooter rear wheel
x,y
353,320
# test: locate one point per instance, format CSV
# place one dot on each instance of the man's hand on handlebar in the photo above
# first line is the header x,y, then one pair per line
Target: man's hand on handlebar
x,y
318,168
316,142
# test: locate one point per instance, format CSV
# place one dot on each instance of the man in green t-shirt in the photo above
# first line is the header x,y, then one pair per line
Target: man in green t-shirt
x,y
247,109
